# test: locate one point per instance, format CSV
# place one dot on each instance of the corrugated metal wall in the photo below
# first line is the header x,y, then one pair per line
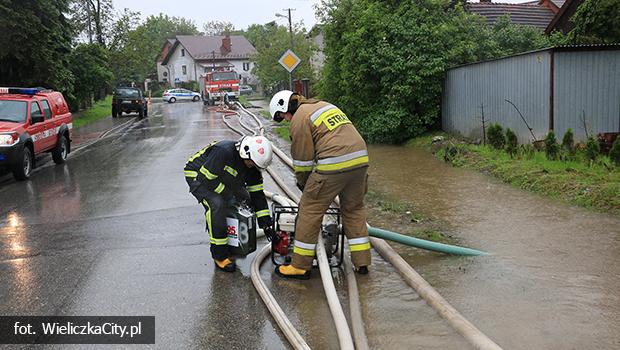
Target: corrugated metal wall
x,y
523,79
583,81
587,83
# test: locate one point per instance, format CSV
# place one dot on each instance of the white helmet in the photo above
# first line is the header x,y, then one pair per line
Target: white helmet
x,y
256,148
279,102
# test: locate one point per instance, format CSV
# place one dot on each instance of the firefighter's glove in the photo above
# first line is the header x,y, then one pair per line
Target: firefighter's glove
x,y
242,196
265,221
301,186
269,232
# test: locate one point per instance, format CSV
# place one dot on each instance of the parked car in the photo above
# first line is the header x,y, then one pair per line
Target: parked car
x,y
32,122
245,90
128,100
174,95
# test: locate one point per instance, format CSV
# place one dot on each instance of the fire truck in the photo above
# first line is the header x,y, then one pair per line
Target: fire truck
x,y
217,84
32,122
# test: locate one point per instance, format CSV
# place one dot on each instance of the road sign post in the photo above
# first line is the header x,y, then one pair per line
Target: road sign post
x,y
290,61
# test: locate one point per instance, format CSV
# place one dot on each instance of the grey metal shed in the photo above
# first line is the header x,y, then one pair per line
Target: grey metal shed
x,y
555,89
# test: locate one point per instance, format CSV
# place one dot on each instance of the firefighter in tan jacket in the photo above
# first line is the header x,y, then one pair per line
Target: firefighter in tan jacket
x,y
330,159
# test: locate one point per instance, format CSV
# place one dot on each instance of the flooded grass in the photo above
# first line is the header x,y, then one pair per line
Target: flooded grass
x,y
593,185
398,216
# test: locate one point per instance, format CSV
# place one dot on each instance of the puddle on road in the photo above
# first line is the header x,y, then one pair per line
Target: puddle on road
x,y
553,277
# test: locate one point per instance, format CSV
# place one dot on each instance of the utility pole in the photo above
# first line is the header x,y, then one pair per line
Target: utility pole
x,y
290,30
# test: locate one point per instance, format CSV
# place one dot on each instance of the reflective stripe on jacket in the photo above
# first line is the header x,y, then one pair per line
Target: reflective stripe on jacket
x,y
324,139
219,168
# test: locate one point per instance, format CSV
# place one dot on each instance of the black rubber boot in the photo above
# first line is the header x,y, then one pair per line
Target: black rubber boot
x,y
362,270
226,265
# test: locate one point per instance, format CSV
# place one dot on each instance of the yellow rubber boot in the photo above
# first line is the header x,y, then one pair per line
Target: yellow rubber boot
x,y
289,271
226,265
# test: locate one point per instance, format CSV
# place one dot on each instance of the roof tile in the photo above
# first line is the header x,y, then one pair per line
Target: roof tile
x,y
532,15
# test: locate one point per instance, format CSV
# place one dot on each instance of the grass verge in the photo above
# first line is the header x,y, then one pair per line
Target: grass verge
x,y
594,185
386,212
283,130
244,101
99,110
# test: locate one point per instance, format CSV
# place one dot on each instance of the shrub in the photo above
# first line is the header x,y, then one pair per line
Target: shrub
x,y
592,148
511,142
527,151
568,142
551,146
496,137
614,153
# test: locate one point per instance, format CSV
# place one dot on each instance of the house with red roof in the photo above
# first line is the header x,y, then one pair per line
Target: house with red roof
x,y
188,57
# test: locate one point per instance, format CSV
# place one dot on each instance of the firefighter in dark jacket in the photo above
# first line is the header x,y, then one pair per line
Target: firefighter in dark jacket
x,y
226,172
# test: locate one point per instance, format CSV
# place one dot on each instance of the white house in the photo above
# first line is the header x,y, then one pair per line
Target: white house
x,y
188,57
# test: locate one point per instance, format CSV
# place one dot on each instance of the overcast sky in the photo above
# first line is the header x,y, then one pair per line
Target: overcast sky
x,y
241,13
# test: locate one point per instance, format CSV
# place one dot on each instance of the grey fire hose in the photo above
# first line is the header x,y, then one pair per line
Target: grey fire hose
x,y
472,334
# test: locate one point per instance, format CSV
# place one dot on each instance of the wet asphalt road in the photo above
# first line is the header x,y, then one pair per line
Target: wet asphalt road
x,y
114,231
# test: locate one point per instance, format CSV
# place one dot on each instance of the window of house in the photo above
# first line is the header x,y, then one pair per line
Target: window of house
x,y
165,74
184,70
246,66
182,52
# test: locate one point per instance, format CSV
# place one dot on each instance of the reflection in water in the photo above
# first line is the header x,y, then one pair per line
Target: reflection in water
x,y
19,277
553,279
13,219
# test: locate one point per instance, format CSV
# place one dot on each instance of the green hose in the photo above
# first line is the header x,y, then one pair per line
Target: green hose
x,y
423,244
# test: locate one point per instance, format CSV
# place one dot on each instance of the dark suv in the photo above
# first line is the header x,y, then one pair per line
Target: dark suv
x,y
127,100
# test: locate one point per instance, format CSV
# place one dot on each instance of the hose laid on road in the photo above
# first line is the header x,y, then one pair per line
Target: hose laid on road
x,y
462,325
342,328
294,338
472,334
357,324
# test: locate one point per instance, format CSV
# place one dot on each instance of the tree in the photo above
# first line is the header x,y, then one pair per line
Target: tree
x,y
513,38
126,22
386,60
135,59
94,18
90,66
271,42
596,22
218,28
36,42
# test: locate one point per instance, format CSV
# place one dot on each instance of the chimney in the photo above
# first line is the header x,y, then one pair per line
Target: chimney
x,y
226,47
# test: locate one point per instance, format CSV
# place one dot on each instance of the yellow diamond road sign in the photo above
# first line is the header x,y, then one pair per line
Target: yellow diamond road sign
x,y
289,61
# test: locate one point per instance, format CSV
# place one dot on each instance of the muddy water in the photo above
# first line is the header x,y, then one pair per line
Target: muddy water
x,y
552,281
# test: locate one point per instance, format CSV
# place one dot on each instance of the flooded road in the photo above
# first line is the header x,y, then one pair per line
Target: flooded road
x,y
115,232
554,276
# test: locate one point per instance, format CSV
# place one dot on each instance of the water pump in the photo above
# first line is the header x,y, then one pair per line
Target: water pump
x,y
285,218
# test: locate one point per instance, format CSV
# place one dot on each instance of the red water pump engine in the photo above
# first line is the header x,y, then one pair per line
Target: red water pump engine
x,y
285,218
281,243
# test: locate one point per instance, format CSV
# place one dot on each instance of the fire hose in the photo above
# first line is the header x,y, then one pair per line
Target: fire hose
x,y
342,328
472,334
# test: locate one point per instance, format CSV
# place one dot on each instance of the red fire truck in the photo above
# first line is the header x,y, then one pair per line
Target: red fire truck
x,y
32,121
215,85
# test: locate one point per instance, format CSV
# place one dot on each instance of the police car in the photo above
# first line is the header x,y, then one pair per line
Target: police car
x,y
174,95
32,121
